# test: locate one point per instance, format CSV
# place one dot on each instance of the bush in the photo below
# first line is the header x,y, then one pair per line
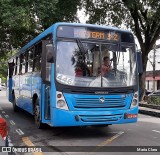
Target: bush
x,y
154,100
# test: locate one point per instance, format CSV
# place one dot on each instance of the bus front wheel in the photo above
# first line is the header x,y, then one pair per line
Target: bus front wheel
x,y
38,122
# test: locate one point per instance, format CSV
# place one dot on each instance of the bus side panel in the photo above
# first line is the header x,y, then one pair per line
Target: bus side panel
x,y
30,84
36,87
15,87
17,84
25,92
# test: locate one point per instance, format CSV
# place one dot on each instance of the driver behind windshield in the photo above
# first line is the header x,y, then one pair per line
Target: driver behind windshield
x,y
106,66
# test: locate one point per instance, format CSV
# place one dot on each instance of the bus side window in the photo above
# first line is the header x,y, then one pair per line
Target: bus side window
x,y
37,57
11,67
18,65
15,66
49,48
23,63
30,60
26,60
15,73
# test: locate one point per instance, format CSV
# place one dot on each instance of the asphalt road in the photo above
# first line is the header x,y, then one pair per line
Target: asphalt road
x,y
145,134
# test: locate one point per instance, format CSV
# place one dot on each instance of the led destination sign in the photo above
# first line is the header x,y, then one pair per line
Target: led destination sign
x,y
83,33
86,33
93,33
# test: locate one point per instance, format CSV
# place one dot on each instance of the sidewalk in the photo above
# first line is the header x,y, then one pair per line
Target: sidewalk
x,y
149,110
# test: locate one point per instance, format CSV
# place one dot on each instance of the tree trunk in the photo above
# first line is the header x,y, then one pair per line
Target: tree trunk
x,y
142,77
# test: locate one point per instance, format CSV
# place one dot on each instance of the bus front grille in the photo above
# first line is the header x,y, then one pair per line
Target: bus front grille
x,y
96,103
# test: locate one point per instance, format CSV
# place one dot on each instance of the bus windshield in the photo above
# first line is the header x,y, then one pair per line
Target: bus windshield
x,y
87,64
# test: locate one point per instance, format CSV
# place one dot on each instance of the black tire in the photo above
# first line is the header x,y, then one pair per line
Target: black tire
x,y
38,122
15,107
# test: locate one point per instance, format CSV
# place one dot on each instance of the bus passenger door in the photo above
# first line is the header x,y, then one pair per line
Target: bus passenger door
x,y
46,84
10,80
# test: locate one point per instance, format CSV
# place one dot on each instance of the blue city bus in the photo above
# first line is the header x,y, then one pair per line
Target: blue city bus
x,y
77,75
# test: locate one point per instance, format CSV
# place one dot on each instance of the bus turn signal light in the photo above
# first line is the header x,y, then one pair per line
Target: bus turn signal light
x,y
128,116
59,95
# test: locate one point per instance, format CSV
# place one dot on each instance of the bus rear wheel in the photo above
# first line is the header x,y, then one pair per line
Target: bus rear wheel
x,y
15,107
38,122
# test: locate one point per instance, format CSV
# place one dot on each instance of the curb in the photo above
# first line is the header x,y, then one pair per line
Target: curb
x,y
148,112
152,106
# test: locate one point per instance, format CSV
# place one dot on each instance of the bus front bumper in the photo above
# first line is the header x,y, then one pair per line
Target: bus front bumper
x,y
82,118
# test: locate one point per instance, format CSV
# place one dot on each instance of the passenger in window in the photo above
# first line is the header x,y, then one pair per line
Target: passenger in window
x,y
82,70
78,72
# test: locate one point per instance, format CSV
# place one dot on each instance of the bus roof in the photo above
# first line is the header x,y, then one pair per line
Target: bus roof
x,y
54,26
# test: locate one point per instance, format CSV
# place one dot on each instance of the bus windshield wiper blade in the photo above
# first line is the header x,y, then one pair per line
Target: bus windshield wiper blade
x,y
80,45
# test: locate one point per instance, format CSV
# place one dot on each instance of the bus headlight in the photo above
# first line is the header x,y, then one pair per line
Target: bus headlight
x,y
60,101
134,100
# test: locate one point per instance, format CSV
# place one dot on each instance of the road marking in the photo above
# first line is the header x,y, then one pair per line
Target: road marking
x,y
104,143
111,139
12,122
28,142
19,131
156,131
6,116
3,112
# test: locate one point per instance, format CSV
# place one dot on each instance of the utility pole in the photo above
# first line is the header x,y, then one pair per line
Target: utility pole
x,y
154,72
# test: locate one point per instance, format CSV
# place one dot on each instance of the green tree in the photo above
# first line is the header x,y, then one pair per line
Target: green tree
x,y
142,17
52,11
17,24
4,65
3,70
22,20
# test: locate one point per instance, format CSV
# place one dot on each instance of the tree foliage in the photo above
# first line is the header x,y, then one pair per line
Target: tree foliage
x,y
17,24
4,65
22,20
52,11
142,17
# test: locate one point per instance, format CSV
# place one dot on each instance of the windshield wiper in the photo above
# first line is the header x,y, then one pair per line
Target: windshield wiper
x,y
80,45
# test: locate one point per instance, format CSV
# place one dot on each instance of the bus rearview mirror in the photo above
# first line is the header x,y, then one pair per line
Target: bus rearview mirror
x,y
50,55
